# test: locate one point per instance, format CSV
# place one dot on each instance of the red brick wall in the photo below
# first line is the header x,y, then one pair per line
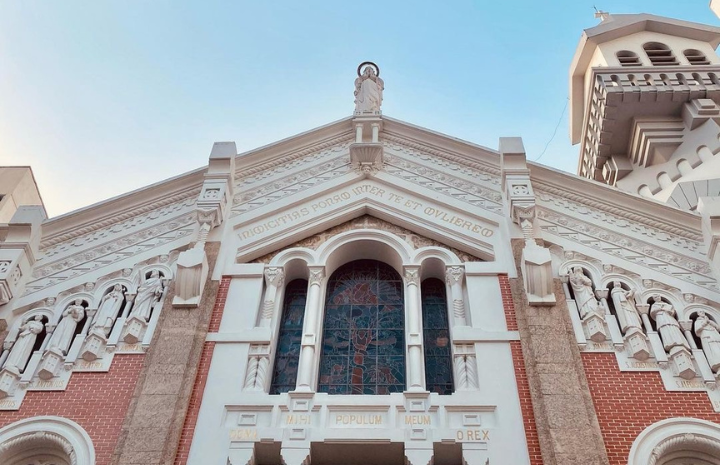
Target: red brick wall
x,y
628,402
520,375
96,401
201,379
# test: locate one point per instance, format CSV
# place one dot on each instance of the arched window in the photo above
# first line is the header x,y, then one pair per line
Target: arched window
x,y
628,58
659,54
45,441
363,350
288,346
696,57
436,337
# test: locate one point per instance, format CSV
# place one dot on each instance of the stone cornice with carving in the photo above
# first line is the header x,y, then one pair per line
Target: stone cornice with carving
x,y
445,155
89,260
299,181
611,241
461,189
126,207
115,230
271,163
555,185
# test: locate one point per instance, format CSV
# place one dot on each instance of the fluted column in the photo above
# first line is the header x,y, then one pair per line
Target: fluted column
x,y
416,380
274,280
310,329
454,278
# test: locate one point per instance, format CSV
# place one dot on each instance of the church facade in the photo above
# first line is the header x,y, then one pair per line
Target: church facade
x,y
375,292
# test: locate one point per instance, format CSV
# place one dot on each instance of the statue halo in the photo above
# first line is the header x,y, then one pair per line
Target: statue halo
x,y
368,63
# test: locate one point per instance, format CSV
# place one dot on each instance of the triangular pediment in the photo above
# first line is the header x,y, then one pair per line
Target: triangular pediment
x,y
414,240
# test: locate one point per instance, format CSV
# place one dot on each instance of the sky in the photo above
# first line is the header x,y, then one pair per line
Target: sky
x,y
104,97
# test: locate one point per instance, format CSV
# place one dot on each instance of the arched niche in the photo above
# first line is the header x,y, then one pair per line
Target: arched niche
x,y
593,271
676,441
364,244
44,438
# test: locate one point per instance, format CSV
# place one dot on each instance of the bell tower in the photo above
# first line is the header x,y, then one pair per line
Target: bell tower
x,y
645,107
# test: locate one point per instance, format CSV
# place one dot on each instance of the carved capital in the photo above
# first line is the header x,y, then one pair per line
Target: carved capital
x,y
412,275
274,276
454,274
317,274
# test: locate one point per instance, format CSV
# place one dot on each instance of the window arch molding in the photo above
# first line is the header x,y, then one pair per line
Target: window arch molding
x,y
595,273
608,280
48,313
318,265
60,434
659,440
691,309
670,297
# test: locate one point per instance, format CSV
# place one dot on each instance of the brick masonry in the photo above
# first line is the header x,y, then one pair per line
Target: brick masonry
x,y
531,436
201,379
96,401
628,402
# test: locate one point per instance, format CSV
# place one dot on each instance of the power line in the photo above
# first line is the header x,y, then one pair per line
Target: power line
x,y
555,131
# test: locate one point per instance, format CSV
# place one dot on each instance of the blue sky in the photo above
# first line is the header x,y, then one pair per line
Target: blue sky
x,y
101,97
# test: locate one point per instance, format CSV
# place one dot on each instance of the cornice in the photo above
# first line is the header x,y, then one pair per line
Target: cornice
x,y
631,207
121,208
291,148
441,145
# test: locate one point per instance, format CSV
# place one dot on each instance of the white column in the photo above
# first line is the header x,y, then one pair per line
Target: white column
x,y
375,132
310,330
358,133
416,380
454,278
274,280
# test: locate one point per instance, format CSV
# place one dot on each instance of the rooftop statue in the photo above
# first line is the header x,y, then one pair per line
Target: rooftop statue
x,y
368,88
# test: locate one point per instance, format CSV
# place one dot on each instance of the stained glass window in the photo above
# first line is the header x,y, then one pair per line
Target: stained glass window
x,y
288,348
363,350
436,337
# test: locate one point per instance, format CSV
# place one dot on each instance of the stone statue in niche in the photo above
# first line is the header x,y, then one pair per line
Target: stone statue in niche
x,y
583,292
148,293
368,89
668,327
108,311
63,335
23,347
709,333
625,308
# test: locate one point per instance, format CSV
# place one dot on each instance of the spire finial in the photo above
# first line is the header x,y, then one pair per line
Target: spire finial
x,y
603,15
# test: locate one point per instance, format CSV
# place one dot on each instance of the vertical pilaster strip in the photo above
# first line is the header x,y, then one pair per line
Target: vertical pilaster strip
x,y
565,417
156,419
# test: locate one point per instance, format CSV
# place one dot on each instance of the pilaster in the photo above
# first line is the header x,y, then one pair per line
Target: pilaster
x,y
566,420
154,420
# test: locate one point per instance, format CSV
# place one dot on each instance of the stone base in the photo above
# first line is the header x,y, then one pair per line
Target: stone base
x,y
8,381
94,347
50,364
683,362
134,331
638,345
595,327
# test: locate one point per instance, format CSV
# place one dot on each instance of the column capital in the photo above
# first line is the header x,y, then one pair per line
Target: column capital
x,y
316,274
454,274
411,275
274,276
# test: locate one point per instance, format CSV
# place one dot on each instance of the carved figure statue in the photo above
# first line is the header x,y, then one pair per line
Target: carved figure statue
x,y
368,90
108,311
583,292
668,327
23,347
148,293
63,335
709,333
625,307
